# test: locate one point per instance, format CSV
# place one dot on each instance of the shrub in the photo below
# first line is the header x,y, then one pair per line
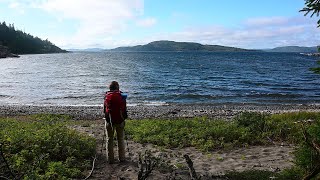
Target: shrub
x,y
247,128
307,156
250,174
294,173
202,133
45,148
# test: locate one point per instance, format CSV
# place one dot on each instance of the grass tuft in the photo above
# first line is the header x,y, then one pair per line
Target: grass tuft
x,y
44,148
246,129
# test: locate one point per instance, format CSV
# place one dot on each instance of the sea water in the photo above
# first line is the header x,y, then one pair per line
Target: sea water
x,y
160,78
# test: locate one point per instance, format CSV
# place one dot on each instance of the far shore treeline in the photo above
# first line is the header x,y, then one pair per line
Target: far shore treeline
x,y
19,42
179,46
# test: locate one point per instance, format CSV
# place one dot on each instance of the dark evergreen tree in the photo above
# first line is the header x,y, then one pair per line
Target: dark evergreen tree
x,y
19,42
313,7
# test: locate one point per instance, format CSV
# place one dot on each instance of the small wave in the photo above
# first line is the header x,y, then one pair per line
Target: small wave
x,y
68,97
132,104
295,89
255,83
5,96
84,105
273,95
99,87
148,103
61,105
154,103
197,96
74,76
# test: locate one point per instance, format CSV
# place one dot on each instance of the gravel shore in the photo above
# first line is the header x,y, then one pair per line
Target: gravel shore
x,y
225,111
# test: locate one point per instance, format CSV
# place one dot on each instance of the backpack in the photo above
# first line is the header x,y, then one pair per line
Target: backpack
x,y
115,107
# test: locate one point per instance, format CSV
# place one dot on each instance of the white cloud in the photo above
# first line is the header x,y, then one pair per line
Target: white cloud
x,y
14,5
148,22
279,31
97,19
108,23
266,21
266,33
17,7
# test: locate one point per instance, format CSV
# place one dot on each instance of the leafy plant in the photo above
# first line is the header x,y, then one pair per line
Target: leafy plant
x,y
250,174
44,148
200,132
307,156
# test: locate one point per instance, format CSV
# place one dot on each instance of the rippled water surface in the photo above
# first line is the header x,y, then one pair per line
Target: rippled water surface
x,y
155,78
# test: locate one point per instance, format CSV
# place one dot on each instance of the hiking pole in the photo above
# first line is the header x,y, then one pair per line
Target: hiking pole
x,y
110,121
125,135
104,134
115,136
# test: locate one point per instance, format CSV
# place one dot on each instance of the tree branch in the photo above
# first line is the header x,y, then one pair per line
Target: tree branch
x,y
192,171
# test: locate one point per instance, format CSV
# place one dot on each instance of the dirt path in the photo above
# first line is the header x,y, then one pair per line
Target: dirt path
x,y
272,158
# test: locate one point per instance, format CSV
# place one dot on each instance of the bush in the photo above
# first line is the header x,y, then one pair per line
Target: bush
x,y
44,148
250,174
202,133
306,156
293,173
247,128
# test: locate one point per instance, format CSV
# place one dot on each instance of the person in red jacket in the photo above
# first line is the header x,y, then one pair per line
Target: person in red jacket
x,y
115,113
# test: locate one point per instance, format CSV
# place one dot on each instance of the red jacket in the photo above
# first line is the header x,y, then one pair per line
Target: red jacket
x,y
115,106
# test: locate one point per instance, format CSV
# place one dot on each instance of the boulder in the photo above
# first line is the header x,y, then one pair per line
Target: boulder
x,y
5,52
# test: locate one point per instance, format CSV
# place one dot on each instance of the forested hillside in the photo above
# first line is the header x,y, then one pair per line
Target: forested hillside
x,y
19,42
179,46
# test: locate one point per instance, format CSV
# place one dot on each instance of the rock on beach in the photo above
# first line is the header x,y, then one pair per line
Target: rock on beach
x,y
4,52
225,111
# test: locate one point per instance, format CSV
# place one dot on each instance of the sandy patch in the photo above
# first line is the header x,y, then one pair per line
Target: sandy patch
x,y
272,158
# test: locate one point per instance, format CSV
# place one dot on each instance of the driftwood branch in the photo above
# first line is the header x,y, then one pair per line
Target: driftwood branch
x,y
93,162
313,173
5,178
192,171
146,165
5,162
314,145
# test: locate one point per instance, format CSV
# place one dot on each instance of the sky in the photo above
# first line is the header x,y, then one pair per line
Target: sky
x,y
112,23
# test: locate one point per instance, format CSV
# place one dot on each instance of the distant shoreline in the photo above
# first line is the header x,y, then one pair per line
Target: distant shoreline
x,y
226,111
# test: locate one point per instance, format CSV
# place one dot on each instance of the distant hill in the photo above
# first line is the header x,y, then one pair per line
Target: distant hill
x,y
298,49
178,46
87,50
19,42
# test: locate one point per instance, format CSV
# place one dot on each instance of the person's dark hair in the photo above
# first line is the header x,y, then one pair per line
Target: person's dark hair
x,y
114,85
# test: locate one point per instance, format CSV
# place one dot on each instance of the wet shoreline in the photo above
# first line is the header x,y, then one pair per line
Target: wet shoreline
x,y
224,111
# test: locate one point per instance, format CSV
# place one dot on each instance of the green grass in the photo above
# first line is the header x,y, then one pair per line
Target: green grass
x,y
202,133
42,147
247,128
206,134
288,174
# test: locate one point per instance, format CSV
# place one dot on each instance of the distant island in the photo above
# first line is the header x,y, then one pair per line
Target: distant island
x,y
13,42
87,50
297,49
167,45
178,46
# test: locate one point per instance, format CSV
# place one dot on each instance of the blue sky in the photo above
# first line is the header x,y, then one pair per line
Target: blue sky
x,y
113,23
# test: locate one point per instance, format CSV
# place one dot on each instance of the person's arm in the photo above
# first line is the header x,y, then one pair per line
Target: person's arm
x,y
124,107
105,109
105,103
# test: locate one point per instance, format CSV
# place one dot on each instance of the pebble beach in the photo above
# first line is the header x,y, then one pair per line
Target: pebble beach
x,y
274,157
224,111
